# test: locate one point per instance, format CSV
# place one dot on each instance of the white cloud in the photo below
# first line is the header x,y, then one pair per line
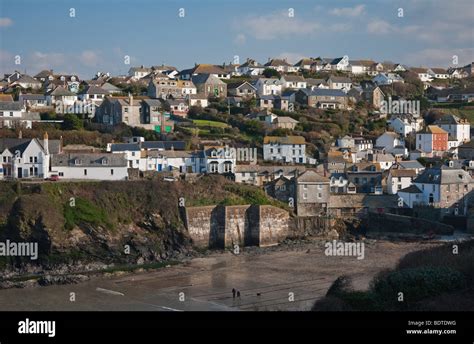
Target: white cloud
x,y
276,25
240,39
349,11
39,60
379,27
89,58
439,57
4,22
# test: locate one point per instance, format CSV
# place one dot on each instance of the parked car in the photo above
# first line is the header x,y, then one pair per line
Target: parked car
x,y
53,178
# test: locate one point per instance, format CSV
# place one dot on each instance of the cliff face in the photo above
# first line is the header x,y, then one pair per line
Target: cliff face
x,y
78,224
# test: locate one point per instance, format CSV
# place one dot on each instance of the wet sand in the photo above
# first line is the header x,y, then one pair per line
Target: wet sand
x,y
283,278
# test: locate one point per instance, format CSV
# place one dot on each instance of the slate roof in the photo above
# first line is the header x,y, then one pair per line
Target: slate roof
x,y
11,106
410,164
164,145
89,160
206,78
443,175
121,147
411,189
95,90
311,177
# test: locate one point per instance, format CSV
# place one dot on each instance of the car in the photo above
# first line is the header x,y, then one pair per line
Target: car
x,y
53,178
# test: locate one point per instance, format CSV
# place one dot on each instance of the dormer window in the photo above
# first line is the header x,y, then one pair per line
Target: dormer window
x,y
77,162
105,161
63,78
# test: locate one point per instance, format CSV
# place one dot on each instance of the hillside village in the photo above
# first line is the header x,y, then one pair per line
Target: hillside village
x,y
328,136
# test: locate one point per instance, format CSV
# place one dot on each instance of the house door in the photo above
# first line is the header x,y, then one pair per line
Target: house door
x,y
20,172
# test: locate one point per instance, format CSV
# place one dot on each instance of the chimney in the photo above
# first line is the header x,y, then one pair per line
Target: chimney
x,y
20,134
61,144
46,143
130,98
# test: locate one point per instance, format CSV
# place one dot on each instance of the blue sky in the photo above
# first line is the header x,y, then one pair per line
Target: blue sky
x,y
151,32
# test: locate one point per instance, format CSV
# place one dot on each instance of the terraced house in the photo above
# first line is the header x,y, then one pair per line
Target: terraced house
x,y
288,149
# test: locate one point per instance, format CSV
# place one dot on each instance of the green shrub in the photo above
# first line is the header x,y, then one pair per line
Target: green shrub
x,y
84,212
416,284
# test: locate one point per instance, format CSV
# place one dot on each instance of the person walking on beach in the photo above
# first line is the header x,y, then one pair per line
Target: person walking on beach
x,y
233,293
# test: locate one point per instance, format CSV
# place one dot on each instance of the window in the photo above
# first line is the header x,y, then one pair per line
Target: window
x,y
111,171
305,195
31,159
61,174
320,195
85,172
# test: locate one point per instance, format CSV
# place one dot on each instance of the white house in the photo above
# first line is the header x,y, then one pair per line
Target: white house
x,y
292,81
93,94
25,158
424,74
60,94
445,187
439,73
459,129
217,160
340,63
139,72
281,65
132,153
387,78
399,179
289,149
339,83
360,66
405,124
96,166
384,160
173,160
338,183
410,196
250,67
11,112
268,86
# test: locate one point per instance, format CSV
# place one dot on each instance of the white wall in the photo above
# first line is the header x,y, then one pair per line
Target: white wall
x,y
98,172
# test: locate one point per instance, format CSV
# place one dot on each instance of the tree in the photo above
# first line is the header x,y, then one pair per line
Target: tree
x,y
72,122
271,73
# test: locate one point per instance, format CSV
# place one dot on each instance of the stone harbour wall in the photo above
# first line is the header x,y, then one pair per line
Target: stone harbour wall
x,y
243,225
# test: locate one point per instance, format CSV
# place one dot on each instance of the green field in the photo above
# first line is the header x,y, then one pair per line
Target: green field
x,y
205,123
463,112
